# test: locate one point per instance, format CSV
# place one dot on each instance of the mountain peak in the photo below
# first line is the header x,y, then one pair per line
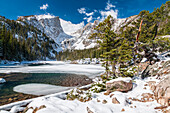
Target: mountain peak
x,y
44,16
38,17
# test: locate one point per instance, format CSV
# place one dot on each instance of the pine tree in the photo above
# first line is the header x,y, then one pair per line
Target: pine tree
x,y
107,41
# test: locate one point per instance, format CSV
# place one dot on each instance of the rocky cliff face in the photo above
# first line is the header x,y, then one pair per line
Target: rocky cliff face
x,y
161,89
80,38
67,35
50,25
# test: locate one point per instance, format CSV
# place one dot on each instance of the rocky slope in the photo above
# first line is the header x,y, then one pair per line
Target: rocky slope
x,y
25,35
50,25
75,36
80,40
68,35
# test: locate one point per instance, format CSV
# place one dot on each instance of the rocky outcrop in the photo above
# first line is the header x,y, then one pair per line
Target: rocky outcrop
x,y
162,91
80,38
50,25
160,68
65,36
119,86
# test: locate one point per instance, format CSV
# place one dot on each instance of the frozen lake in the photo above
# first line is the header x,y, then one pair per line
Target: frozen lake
x,y
41,79
55,67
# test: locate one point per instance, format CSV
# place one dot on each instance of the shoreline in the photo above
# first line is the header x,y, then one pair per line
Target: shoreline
x,y
27,101
59,94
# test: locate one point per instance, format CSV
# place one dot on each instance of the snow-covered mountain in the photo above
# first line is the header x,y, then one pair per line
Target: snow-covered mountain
x,y
35,44
50,25
70,28
68,35
80,38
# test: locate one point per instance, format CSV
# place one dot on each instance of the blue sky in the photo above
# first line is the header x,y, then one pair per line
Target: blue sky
x,y
77,11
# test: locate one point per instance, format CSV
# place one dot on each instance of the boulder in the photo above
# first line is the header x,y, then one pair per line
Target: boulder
x,y
122,110
147,97
73,62
89,111
152,70
150,83
119,86
162,91
104,102
115,101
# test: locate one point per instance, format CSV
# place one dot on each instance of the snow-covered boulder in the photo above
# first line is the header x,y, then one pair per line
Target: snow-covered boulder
x,y
123,85
2,80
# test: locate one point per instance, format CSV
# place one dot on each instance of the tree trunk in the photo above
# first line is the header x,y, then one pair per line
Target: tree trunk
x,y
113,68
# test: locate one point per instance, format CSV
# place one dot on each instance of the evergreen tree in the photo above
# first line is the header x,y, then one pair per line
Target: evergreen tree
x,y
107,41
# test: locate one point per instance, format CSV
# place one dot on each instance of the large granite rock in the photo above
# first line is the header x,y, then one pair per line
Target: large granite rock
x,y
160,68
119,86
162,91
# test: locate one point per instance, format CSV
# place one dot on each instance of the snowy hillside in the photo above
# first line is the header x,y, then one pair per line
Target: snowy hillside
x,y
50,25
66,34
80,38
70,28
29,37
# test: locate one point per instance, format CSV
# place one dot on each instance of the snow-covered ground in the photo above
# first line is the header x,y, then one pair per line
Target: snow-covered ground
x,y
55,104
55,67
100,102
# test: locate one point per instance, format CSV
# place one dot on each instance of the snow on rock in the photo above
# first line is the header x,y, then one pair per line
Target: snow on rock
x,y
144,60
16,109
125,79
68,35
39,89
48,16
48,24
80,40
70,28
2,80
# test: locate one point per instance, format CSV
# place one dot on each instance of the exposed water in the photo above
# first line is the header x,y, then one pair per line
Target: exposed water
x,y
47,75
24,78
14,79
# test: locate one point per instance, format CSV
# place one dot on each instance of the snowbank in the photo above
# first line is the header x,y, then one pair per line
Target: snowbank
x,y
2,80
96,105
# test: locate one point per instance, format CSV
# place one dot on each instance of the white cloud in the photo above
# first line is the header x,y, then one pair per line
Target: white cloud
x,y
111,12
95,10
98,18
89,14
109,6
88,18
44,7
82,10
